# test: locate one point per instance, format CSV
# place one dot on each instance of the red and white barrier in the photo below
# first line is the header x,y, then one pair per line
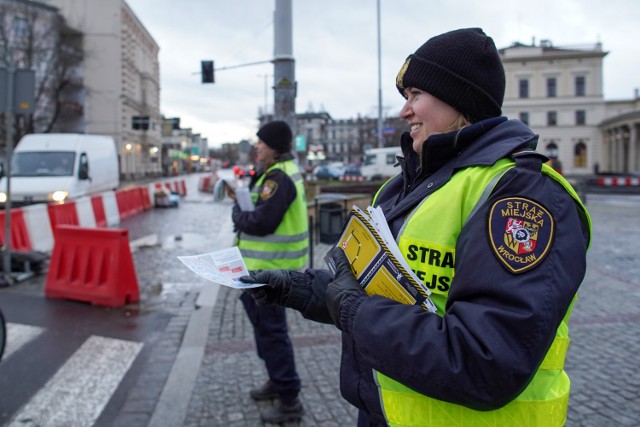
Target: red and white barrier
x,y
33,227
38,224
18,235
86,216
353,178
111,208
618,181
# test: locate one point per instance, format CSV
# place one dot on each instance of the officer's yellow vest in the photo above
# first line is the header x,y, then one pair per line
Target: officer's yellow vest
x,y
288,247
438,220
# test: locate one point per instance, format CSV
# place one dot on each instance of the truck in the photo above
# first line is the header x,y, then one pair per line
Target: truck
x,y
57,167
380,163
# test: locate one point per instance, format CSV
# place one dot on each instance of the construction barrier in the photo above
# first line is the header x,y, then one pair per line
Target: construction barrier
x,y
205,184
19,236
146,198
32,226
129,202
353,178
619,181
63,214
92,265
98,211
36,218
86,215
111,208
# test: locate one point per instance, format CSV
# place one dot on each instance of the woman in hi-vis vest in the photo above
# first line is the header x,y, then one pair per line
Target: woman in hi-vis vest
x,y
496,235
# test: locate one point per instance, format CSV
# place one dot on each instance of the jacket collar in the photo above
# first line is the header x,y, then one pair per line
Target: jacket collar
x,y
482,143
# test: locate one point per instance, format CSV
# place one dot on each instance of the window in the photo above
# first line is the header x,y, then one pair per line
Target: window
x,y
552,118
580,155
21,28
523,88
391,159
552,150
580,86
581,117
551,87
524,117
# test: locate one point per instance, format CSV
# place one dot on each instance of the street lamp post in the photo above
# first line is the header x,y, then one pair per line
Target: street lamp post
x,y
380,138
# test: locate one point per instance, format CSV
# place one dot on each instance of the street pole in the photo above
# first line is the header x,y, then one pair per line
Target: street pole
x,y
6,262
380,138
284,98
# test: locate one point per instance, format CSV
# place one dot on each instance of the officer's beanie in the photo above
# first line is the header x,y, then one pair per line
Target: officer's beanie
x,y
462,68
276,135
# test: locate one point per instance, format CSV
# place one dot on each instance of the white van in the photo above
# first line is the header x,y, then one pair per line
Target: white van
x,y
378,163
50,167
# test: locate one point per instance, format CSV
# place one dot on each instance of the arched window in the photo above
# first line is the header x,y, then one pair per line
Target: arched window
x,y
580,155
551,150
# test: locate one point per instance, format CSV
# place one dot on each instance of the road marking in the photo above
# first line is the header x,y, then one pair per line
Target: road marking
x,y
79,391
19,335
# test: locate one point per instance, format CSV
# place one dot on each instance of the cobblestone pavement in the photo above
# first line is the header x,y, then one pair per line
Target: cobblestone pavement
x,y
604,355
602,360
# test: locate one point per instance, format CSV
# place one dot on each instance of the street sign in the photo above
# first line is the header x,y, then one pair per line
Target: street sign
x,y
24,92
301,143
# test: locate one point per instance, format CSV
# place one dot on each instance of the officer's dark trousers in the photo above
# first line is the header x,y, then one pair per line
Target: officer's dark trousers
x,y
274,345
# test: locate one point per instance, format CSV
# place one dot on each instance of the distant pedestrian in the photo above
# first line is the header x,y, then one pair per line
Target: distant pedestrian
x,y
274,236
498,236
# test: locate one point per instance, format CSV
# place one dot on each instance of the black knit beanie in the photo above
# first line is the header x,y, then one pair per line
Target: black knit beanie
x,y
462,68
277,135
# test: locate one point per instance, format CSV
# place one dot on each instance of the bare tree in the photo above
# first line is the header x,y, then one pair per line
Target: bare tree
x,y
36,37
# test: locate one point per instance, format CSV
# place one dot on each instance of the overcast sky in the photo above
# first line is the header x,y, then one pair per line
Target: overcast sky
x,y
336,56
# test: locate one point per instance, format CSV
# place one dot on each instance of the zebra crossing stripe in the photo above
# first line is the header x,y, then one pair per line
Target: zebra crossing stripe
x,y
19,335
79,391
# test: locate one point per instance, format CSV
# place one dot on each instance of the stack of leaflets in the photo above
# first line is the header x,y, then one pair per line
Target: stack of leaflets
x,y
224,267
376,260
222,188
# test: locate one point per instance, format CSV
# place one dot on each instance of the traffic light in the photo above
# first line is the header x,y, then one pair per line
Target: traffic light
x,y
207,71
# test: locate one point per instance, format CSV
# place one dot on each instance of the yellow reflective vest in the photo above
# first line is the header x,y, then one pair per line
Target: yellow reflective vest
x,y
544,401
288,246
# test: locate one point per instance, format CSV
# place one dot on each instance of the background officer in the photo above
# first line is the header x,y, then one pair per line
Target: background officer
x,y
274,236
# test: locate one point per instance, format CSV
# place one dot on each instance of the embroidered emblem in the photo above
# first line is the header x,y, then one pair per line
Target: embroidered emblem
x,y
400,76
520,231
268,189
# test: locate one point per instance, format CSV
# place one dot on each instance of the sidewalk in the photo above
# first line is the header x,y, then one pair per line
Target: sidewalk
x,y
219,339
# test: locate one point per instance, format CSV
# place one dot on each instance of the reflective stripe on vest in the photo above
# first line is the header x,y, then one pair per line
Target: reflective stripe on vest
x,y
288,246
428,243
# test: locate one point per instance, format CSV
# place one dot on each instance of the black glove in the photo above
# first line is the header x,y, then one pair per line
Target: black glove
x,y
344,286
276,291
235,213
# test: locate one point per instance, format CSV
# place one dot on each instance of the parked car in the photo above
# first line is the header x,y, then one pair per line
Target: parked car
x,y
58,167
380,163
352,173
331,171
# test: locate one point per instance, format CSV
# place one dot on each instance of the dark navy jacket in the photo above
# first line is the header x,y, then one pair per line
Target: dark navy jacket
x,y
497,326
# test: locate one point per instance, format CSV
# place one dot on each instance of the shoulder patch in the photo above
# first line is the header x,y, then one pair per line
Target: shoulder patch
x,y
268,189
521,231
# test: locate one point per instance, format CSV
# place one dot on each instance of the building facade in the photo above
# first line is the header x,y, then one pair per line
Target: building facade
x,y
558,92
121,74
621,137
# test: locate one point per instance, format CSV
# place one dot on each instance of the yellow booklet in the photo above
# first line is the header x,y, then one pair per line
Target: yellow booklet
x,y
376,260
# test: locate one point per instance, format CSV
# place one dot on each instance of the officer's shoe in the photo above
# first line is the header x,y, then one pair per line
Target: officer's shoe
x,y
286,411
266,392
